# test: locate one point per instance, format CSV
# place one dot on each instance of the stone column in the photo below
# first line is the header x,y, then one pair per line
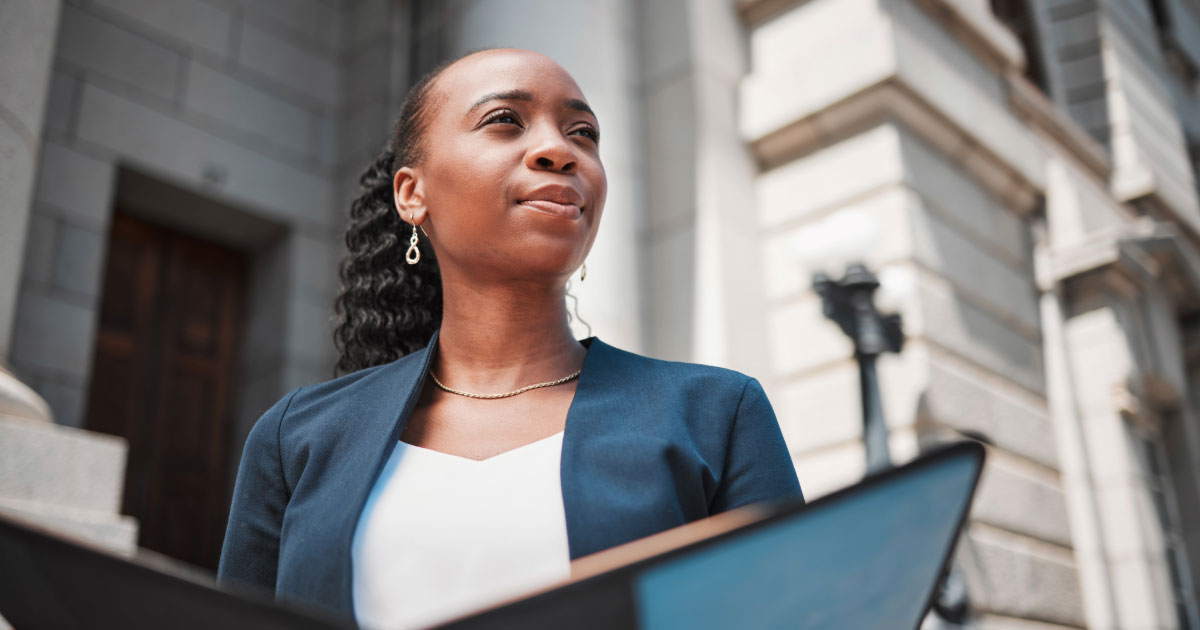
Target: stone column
x,y
27,35
59,477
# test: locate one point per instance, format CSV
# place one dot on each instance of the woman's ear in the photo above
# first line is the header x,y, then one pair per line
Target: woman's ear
x,y
407,190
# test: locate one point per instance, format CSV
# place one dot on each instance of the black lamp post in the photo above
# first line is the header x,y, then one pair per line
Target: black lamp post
x,y
851,303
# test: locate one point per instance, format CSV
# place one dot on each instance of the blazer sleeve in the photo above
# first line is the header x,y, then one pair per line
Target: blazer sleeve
x,y
250,554
758,466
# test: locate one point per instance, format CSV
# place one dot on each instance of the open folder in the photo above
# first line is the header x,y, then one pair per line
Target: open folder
x,y
866,557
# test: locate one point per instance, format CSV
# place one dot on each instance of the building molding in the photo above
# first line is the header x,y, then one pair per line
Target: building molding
x,y
974,26
1036,109
894,99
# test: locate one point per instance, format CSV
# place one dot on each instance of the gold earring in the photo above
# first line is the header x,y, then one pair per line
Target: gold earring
x,y
413,255
583,273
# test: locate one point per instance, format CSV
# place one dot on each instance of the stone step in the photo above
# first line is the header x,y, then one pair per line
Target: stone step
x,y
114,532
54,465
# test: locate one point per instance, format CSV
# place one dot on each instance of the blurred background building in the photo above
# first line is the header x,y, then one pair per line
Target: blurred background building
x,y
1021,173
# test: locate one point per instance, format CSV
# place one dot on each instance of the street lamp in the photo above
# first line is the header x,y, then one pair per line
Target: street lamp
x,y
844,238
850,302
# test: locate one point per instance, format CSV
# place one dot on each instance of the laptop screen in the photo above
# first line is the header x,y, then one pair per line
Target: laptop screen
x,y
864,560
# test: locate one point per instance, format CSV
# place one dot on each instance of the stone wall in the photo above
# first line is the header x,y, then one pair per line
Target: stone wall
x,y
235,103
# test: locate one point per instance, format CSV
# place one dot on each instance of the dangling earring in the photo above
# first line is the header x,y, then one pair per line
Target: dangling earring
x,y
413,255
583,273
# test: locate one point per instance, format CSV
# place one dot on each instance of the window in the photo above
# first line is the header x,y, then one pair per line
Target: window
x,y
1154,466
1018,17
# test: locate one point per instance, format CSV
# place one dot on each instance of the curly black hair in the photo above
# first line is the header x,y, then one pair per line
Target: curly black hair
x,y
385,307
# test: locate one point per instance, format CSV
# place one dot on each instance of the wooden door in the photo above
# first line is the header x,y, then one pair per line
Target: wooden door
x,y
161,378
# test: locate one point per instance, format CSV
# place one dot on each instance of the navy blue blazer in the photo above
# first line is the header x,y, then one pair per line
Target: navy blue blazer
x,y
648,445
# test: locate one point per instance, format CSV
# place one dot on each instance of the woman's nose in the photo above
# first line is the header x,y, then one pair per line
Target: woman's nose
x,y
552,152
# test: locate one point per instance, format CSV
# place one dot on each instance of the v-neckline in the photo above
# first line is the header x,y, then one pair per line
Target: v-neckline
x,y
583,377
486,460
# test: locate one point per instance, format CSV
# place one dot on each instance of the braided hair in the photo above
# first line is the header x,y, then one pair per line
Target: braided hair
x,y
386,308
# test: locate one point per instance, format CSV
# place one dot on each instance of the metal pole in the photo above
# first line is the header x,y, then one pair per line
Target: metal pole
x,y
874,425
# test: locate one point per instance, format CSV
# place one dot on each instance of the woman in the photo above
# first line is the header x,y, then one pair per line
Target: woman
x,y
396,499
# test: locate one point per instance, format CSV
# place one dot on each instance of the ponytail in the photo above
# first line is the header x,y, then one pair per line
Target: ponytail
x,y
386,308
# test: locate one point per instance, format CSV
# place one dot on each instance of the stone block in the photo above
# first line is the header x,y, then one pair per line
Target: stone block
x,y
935,64
364,131
195,23
823,471
79,259
26,46
76,185
958,199
1006,291
54,334
310,332
822,408
830,177
325,137
60,104
152,140
670,149
287,63
296,375
1009,577
245,107
671,295
1080,28
967,398
313,20
363,22
118,53
113,532
49,464
792,77
314,266
792,254
1020,503
667,40
361,72
802,338
975,335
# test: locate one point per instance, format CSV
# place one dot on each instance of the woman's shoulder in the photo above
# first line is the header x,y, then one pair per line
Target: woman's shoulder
x,y
669,374
359,393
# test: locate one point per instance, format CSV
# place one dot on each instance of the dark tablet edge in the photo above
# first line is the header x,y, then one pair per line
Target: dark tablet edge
x,y
26,528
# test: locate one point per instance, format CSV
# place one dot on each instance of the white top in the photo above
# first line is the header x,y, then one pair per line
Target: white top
x,y
442,535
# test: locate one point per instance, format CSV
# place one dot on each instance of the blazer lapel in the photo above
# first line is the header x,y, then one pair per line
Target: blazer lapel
x,y
380,416
586,418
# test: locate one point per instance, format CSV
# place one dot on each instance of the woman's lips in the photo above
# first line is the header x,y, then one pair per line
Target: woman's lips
x,y
564,210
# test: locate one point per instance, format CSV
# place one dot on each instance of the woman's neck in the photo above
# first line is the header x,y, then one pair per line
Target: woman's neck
x,y
504,336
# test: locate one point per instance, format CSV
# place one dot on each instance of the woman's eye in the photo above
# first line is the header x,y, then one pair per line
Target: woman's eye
x,y
506,118
588,133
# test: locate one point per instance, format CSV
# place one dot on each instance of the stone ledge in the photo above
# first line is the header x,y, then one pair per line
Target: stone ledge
x,y
115,533
53,465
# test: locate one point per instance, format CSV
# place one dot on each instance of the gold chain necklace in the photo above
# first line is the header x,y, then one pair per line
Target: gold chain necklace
x,y
505,394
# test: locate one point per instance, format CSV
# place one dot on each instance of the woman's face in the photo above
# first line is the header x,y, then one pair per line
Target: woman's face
x,y
510,186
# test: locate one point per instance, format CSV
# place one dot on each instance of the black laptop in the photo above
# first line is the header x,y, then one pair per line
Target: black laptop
x,y
866,557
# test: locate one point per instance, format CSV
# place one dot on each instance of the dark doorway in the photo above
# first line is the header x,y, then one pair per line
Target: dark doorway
x,y
162,376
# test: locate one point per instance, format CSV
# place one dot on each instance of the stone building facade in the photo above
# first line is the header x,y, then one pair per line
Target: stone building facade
x,y
1027,171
